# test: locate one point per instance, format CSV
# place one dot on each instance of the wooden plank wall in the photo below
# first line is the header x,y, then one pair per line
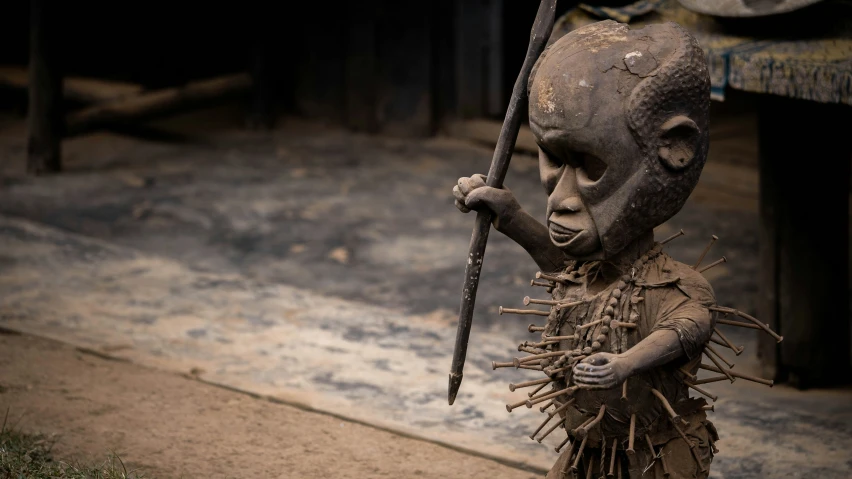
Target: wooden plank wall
x,y
399,68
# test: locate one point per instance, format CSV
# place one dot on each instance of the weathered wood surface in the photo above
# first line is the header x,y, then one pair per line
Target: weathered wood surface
x,y
806,55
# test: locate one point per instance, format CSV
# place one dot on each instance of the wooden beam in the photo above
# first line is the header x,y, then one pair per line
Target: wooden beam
x,y
82,90
151,104
44,111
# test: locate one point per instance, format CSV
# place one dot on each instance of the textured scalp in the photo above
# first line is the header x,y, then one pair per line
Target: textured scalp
x,y
679,86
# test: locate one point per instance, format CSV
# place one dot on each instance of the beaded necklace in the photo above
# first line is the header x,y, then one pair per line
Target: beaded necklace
x,y
589,335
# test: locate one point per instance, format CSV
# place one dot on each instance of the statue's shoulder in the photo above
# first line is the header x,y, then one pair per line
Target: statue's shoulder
x,y
672,273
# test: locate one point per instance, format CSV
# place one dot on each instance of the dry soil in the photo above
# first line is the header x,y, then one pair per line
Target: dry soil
x,y
173,426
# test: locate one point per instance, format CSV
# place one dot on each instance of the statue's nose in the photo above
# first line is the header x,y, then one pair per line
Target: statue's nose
x,y
565,196
569,204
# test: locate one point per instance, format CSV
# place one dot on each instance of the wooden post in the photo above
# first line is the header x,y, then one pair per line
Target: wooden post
x,y
444,98
404,95
261,114
320,85
471,34
767,302
496,98
44,112
805,166
361,64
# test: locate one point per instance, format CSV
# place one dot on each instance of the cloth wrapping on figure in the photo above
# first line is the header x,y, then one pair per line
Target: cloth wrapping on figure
x,y
661,294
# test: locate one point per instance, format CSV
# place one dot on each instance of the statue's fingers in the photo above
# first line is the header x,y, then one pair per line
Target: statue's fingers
x,y
596,359
592,373
458,194
465,185
461,206
592,367
587,385
478,180
594,385
483,195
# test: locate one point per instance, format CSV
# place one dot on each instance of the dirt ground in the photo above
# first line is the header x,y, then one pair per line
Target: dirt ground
x,y
173,426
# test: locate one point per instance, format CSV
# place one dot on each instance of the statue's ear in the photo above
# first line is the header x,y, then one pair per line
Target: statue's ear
x,y
679,138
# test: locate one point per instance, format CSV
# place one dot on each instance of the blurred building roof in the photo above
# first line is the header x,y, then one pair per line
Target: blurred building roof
x,y
806,57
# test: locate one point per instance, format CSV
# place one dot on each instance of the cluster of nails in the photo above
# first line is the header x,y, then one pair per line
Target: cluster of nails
x,y
556,363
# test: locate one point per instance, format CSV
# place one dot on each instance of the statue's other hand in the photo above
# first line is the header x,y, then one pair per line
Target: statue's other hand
x,y
471,194
601,371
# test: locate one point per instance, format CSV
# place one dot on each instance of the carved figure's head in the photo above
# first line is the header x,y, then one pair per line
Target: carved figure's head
x,y
621,118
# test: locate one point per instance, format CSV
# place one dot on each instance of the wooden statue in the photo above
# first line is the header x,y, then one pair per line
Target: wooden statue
x,y
621,118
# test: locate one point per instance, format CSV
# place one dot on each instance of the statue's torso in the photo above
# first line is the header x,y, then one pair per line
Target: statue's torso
x,y
656,292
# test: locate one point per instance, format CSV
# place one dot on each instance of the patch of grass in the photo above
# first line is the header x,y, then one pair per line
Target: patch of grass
x,y
28,456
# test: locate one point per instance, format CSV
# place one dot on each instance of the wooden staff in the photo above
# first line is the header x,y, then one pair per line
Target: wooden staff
x,y
541,30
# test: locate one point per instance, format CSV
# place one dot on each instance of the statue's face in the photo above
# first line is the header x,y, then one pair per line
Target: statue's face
x,y
621,120
587,152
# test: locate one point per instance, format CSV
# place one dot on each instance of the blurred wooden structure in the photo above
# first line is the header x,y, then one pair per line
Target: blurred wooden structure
x,y
377,66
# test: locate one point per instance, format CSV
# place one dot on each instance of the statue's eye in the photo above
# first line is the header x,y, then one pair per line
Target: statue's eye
x,y
592,166
549,158
550,169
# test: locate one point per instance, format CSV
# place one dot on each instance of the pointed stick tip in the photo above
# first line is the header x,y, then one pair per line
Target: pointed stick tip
x,y
455,384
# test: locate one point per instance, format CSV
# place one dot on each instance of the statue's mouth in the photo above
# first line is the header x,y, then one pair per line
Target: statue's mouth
x,y
560,234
